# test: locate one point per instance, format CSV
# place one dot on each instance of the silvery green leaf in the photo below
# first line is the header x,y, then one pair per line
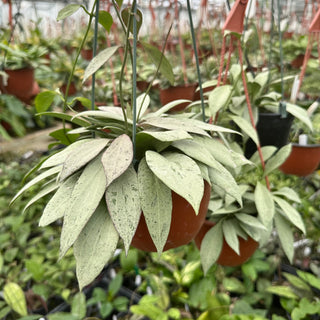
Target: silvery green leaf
x,y
251,221
219,151
95,246
167,136
253,233
43,192
204,172
105,113
56,206
123,203
215,204
300,114
166,108
117,158
246,127
196,151
219,98
80,156
288,193
67,11
285,235
59,157
180,173
290,213
210,253
267,152
85,198
156,204
143,102
278,159
37,179
100,59
264,203
224,179
230,235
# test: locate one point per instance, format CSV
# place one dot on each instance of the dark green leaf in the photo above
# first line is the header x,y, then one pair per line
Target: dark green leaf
x,y
105,19
44,100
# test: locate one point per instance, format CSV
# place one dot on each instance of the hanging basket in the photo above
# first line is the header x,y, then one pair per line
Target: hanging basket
x,y
185,224
303,160
228,257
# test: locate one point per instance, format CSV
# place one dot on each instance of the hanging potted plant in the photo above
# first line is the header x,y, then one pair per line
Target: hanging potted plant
x,y
130,167
237,231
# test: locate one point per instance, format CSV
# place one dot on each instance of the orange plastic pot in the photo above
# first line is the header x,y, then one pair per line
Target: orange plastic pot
x,y
177,92
185,224
303,160
20,82
228,257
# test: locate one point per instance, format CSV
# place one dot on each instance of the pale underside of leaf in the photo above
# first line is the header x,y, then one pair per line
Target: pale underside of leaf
x,y
117,158
85,198
122,197
81,156
156,204
230,235
180,173
55,207
95,246
264,203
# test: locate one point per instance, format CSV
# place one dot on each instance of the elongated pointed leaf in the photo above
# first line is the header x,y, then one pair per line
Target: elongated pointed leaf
x,y
167,136
98,61
42,193
285,235
59,157
117,158
36,180
105,113
196,151
180,173
158,58
291,213
56,206
95,246
168,107
84,200
64,116
80,156
67,11
211,247
300,114
267,152
246,127
289,193
264,203
123,202
156,204
219,98
230,235
15,298
277,160
143,102
250,221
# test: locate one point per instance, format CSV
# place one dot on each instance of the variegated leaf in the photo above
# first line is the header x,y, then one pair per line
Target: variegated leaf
x,y
246,127
277,160
123,203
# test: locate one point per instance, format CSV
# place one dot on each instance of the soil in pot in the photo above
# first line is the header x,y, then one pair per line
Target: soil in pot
x,y
178,92
272,129
302,161
228,257
185,224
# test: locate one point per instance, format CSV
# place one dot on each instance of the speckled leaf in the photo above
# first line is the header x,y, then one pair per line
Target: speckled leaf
x,y
156,204
123,202
167,136
250,221
67,11
291,213
264,203
219,98
37,179
15,298
95,245
285,235
246,127
168,107
60,157
277,160
117,158
267,152
80,156
288,193
196,151
104,113
204,172
84,200
180,173
143,102
211,247
56,206
230,235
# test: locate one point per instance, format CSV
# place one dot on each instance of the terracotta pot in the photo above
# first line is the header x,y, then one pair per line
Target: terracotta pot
x,y
72,89
185,224
87,54
228,257
35,90
196,96
298,61
20,82
303,160
177,92
142,85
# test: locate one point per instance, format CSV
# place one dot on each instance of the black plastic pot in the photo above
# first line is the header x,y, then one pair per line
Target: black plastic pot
x,y
272,129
